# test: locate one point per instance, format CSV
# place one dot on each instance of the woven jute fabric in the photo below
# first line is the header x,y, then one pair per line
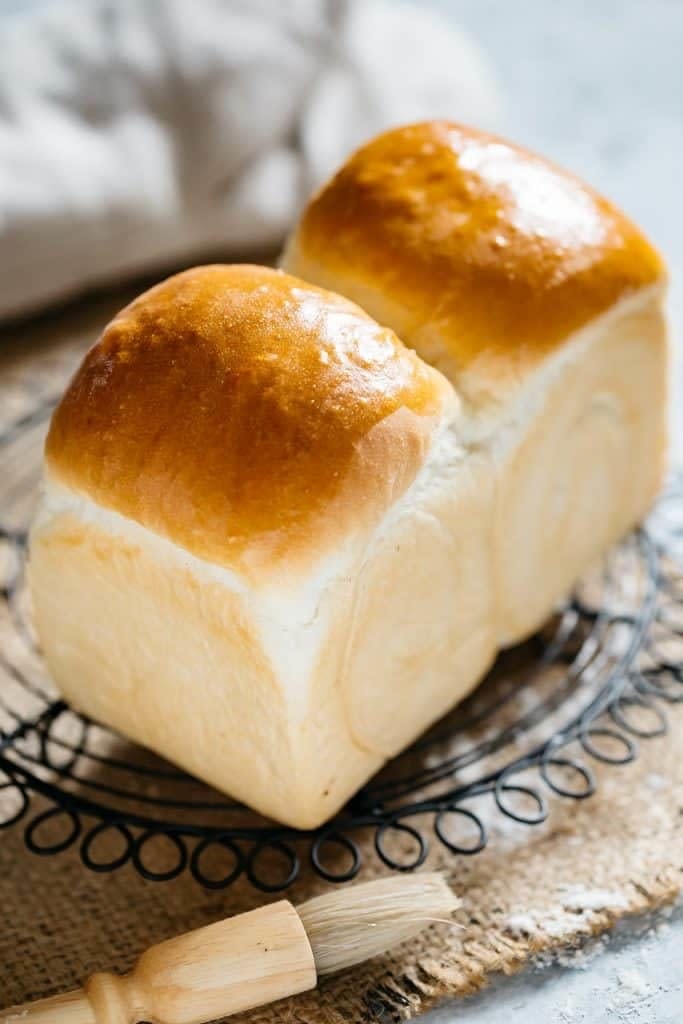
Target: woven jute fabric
x,y
533,889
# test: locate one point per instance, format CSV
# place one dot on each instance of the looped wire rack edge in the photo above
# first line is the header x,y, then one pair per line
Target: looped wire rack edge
x,y
589,689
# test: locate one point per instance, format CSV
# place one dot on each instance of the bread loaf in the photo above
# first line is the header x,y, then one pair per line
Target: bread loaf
x,y
260,549
274,543
542,304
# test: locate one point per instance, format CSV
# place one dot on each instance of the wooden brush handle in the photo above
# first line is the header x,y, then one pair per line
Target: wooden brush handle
x,y
213,972
72,1008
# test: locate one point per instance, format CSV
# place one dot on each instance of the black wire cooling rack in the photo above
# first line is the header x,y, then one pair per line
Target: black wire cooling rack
x,y
594,684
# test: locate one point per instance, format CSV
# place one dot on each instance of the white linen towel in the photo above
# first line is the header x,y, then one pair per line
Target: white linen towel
x,y
141,133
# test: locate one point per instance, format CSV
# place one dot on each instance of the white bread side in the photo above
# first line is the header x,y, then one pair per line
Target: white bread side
x,y
286,695
580,456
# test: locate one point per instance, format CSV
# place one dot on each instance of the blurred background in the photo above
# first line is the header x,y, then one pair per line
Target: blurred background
x,y
142,135
114,112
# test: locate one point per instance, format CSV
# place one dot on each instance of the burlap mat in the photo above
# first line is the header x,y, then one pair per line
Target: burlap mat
x,y
532,889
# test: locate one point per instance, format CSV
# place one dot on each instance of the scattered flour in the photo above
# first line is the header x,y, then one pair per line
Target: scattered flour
x,y
580,959
535,924
580,899
522,924
567,1013
630,1000
573,915
634,982
628,997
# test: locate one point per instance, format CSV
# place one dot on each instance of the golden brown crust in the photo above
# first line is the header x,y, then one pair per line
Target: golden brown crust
x,y
236,409
496,251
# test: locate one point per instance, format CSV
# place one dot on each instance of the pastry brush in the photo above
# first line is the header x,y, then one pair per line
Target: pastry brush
x,y
252,959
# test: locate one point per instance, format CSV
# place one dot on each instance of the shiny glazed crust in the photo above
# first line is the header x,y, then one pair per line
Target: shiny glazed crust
x,y
481,255
246,416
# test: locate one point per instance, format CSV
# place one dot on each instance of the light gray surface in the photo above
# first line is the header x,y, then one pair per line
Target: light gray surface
x,y
598,86
635,977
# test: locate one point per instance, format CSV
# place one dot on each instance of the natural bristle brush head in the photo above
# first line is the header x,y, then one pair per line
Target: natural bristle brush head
x,y
354,924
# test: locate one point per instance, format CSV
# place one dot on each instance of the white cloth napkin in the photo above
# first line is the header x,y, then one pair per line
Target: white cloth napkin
x,y
141,133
